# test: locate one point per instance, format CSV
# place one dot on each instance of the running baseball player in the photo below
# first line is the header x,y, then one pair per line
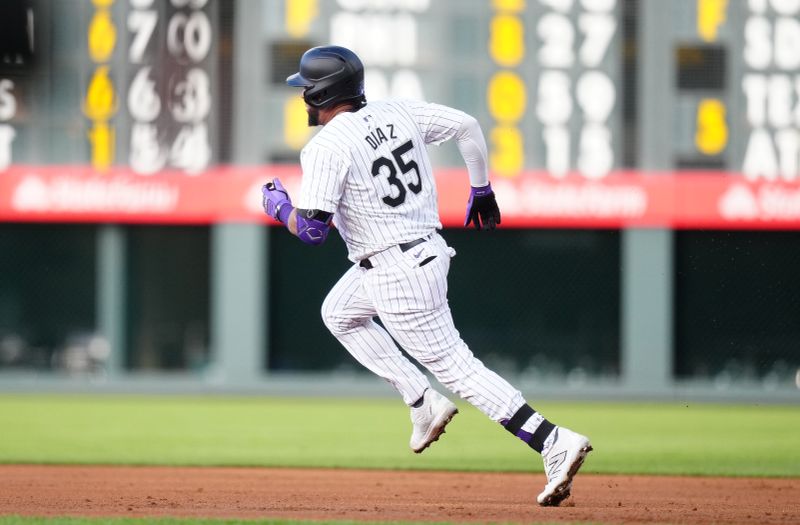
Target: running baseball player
x,y
368,173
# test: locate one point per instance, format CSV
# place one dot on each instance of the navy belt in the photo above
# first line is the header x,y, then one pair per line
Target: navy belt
x,y
367,265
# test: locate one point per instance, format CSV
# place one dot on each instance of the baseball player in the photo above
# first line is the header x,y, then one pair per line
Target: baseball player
x,y
368,173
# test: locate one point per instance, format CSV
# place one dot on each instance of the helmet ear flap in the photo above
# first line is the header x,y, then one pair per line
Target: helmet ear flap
x,y
316,99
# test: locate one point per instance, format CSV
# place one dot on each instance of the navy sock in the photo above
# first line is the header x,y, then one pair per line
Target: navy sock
x,y
418,402
534,440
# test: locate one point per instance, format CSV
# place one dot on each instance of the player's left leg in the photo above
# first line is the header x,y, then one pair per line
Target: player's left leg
x,y
348,314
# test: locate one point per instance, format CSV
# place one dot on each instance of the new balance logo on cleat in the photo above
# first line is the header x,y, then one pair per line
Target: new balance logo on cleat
x,y
554,463
561,463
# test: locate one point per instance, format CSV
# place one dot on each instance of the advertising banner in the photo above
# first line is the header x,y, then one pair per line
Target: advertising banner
x,y
684,200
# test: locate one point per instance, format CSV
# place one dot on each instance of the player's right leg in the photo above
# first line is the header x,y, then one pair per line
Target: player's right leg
x,y
423,325
563,451
561,462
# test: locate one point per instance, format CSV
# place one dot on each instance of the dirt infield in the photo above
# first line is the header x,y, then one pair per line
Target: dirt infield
x,y
387,495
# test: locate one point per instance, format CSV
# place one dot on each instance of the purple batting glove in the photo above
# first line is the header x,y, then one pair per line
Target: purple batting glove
x,y
276,201
482,208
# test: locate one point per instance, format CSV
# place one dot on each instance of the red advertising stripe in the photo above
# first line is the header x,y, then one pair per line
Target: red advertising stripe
x,y
731,202
712,200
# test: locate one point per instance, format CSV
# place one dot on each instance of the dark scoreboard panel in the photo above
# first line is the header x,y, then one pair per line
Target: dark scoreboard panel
x,y
766,90
109,82
736,92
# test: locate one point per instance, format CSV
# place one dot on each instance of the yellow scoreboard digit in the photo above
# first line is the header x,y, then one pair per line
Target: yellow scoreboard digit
x,y
506,95
711,135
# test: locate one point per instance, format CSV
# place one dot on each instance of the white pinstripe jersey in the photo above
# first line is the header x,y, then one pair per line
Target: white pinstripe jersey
x,y
370,168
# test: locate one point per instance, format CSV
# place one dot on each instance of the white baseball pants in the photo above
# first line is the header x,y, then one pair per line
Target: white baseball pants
x,y
408,292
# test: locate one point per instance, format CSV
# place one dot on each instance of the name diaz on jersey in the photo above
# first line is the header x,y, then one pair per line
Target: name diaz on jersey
x,y
376,137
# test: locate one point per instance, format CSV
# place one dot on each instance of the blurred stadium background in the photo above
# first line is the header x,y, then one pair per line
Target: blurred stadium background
x,y
646,155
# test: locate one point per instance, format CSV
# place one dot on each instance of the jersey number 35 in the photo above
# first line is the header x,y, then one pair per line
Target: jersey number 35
x,y
391,172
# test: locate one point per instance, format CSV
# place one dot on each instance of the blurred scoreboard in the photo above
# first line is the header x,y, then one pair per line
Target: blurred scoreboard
x,y
766,90
557,84
738,86
554,82
543,76
109,83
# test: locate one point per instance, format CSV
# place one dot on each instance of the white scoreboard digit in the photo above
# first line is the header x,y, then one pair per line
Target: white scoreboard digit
x,y
770,84
578,65
170,98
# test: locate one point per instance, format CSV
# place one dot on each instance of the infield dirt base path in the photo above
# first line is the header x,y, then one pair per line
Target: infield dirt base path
x,y
260,493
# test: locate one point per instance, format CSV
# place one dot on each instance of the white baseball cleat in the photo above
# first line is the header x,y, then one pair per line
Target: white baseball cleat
x,y
561,463
430,419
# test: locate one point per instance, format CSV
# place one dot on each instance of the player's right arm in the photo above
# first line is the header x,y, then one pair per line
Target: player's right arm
x,y
310,226
320,191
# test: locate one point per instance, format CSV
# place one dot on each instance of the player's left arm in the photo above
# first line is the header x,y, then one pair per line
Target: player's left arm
x,y
438,123
310,226
482,209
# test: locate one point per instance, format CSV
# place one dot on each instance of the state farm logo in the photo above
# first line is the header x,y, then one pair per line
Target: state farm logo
x,y
571,200
766,203
738,203
67,193
31,195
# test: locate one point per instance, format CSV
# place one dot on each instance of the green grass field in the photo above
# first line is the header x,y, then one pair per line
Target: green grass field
x,y
693,439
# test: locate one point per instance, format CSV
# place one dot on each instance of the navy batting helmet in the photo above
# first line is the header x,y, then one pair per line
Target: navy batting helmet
x,y
330,75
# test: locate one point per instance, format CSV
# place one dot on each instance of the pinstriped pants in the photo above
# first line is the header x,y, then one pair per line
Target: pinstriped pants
x,y
408,292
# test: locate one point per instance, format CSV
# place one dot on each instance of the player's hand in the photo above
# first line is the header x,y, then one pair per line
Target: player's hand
x,y
482,208
274,196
